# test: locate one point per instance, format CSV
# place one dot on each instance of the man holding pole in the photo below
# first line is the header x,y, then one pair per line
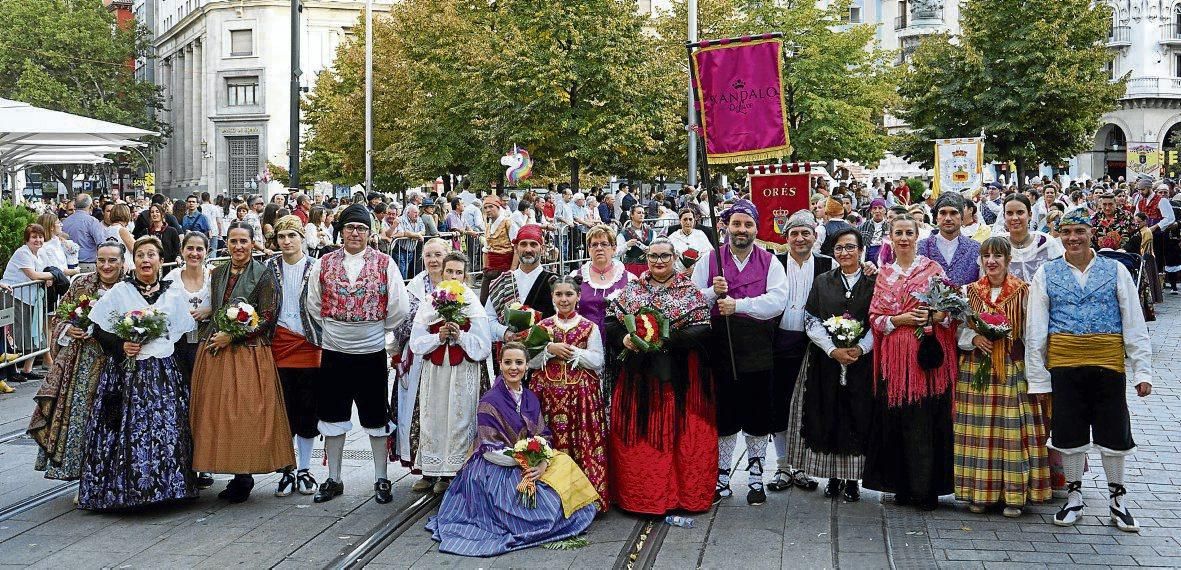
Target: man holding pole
x,y
747,288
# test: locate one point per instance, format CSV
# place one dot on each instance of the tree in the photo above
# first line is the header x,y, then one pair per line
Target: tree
x,y
836,83
1030,75
69,55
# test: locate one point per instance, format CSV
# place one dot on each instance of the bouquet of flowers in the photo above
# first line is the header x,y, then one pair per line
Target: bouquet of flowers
x,y
845,332
689,257
994,327
518,317
536,341
448,300
648,329
943,296
140,326
77,313
529,453
237,319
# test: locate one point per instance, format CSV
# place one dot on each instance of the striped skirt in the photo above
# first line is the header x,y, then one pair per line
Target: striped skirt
x,y
1000,439
815,463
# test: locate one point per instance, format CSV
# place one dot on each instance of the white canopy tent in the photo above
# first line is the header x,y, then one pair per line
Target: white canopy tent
x,y
32,136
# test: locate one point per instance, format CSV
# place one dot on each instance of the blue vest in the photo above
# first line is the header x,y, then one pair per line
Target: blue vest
x,y
1093,310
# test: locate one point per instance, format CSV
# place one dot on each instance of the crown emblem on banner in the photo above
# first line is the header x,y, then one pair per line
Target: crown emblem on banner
x,y
738,84
959,153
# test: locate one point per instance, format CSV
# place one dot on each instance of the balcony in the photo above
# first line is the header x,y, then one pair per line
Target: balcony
x,y
1150,87
1170,34
899,22
917,23
1120,36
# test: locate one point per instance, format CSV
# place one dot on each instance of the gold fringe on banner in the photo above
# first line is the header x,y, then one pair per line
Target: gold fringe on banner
x,y
751,156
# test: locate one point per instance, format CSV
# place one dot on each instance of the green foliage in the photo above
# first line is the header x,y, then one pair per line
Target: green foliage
x,y
13,220
1031,75
917,187
836,80
69,55
280,174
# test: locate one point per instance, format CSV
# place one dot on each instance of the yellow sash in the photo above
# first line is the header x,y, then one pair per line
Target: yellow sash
x,y
1069,350
564,476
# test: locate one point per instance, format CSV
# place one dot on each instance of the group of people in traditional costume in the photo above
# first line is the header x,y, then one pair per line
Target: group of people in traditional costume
x,y
900,409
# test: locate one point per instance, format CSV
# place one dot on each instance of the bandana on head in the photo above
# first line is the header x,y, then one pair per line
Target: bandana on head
x,y
1076,216
800,219
354,214
289,223
741,207
493,200
877,202
949,200
530,232
833,208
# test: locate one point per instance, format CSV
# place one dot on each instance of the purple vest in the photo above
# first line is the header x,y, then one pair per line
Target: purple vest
x,y
963,267
750,282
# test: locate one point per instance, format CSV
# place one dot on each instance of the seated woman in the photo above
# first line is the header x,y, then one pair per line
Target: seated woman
x,y
481,514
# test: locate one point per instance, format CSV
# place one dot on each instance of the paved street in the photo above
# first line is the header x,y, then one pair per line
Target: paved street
x,y
793,530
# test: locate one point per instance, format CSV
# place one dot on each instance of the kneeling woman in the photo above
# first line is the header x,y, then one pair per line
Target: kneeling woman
x,y
139,447
481,514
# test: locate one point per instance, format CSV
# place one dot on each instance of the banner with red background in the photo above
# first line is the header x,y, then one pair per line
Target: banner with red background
x,y
777,194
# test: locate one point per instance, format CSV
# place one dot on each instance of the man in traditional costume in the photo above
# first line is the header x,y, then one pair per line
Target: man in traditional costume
x,y
957,254
356,295
1084,317
875,229
747,297
498,246
528,284
296,351
801,266
1117,223
1155,206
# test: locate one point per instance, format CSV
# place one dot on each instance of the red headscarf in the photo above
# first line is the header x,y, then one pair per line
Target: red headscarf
x,y
530,232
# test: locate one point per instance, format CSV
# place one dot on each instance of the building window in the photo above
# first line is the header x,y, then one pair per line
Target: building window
x,y
854,14
241,42
1177,65
242,91
1177,21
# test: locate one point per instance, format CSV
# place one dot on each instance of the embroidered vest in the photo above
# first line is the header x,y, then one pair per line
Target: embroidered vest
x,y
1150,207
498,240
963,267
750,282
1077,311
366,300
556,369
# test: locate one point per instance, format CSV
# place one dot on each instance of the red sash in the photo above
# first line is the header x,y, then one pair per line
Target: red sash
x,y
293,351
499,261
454,353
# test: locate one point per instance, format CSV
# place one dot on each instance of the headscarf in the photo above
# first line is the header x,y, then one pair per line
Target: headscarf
x,y
530,232
289,223
1076,216
800,219
493,200
741,207
877,202
949,200
833,208
355,214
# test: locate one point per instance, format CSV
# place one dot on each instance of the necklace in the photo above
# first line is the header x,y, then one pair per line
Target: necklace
x,y
848,287
1025,242
661,281
602,274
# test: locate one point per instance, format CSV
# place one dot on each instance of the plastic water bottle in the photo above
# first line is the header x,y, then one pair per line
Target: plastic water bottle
x,y
677,520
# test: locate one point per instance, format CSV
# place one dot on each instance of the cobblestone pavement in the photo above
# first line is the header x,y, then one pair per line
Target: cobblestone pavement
x,y
792,530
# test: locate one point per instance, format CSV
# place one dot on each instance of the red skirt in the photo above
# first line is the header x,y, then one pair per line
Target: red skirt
x,y
676,473
636,269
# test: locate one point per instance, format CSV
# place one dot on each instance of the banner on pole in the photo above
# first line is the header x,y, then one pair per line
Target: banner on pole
x,y
1143,159
740,96
959,165
777,196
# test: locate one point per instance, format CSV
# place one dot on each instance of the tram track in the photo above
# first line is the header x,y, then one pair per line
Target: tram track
x,y
30,503
12,436
385,533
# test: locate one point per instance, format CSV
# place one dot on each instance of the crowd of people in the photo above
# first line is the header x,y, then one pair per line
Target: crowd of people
x,y
914,398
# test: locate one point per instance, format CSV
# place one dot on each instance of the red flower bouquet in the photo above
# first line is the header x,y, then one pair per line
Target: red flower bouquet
x,y
994,327
648,329
689,257
529,453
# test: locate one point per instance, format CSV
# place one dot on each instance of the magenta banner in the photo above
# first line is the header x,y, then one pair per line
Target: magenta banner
x,y
739,91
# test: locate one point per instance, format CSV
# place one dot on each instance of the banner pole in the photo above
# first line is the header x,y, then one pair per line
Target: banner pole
x,y
712,202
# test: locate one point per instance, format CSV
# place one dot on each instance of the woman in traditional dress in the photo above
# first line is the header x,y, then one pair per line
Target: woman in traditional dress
x,y
1030,249
633,241
602,276
688,237
830,410
193,282
910,452
239,419
567,382
139,446
61,416
408,367
663,442
482,514
1000,433
1142,243
449,384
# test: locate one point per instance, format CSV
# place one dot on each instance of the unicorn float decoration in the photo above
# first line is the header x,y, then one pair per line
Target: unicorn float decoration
x,y
520,166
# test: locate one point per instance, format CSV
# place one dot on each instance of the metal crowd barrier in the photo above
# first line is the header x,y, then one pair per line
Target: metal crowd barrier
x,y
24,319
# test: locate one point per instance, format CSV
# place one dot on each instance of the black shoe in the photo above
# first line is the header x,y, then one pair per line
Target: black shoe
x,y
781,481
286,484
382,491
928,504
18,378
32,376
329,490
756,495
901,500
833,488
852,491
722,491
204,480
238,490
803,481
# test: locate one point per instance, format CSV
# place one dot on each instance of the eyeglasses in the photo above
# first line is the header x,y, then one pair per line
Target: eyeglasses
x,y
599,244
660,257
844,248
356,228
